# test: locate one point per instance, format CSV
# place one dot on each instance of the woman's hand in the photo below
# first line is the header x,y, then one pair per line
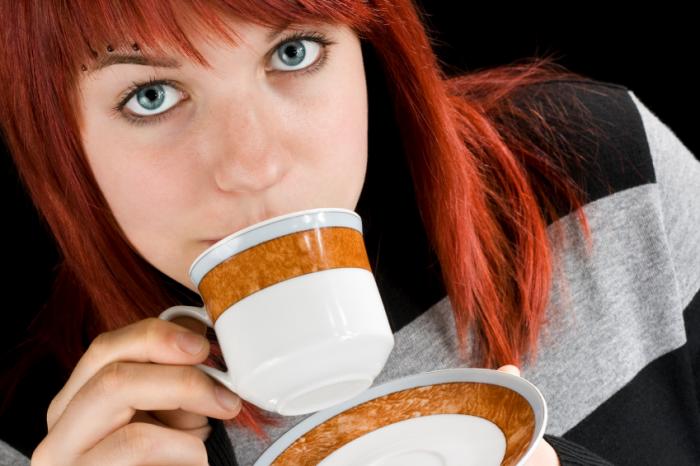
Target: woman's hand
x,y
135,398
544,454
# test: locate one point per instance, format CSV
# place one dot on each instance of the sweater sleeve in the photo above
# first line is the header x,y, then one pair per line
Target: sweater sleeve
x,y
218,445
11,457
573,454
677,172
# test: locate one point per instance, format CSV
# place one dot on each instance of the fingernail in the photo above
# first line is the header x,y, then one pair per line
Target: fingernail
x,y
227,399
190,342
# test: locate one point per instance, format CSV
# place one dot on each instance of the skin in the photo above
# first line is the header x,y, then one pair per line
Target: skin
x,y
251,141
243,141
110,411
245,144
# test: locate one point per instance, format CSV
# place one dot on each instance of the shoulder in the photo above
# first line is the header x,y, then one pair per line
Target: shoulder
x,y
678,182
601,122
634,163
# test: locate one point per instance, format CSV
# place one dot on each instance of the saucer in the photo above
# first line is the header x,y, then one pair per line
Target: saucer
x,y
447,417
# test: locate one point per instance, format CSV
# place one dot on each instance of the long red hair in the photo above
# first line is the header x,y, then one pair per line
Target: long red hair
x,y
480,176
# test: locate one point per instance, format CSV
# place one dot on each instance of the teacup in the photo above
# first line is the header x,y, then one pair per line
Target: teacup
x,y
296,311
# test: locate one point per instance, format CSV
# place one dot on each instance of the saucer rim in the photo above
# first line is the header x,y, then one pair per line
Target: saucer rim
x,y
516,383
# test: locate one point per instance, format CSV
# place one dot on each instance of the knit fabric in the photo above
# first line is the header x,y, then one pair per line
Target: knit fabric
x,y
618,364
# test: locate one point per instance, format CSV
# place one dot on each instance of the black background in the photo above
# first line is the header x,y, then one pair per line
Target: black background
x,y
653,56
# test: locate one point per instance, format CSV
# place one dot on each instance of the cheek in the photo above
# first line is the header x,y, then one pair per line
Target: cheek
x,y
344,144
146,192
334,133
150,202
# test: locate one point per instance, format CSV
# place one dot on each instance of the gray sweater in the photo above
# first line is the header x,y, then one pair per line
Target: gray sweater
x,y
619,367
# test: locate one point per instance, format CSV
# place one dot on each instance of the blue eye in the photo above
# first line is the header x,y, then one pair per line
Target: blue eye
x,y
157,96
296,52
292,47
154,98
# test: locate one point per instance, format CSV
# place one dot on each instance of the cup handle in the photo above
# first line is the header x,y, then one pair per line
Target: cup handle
x,y
200,314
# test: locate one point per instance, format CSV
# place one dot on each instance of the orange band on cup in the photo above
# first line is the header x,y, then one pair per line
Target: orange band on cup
x,y
280,259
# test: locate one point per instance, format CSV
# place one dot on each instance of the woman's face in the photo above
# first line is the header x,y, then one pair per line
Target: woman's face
x,y
246,140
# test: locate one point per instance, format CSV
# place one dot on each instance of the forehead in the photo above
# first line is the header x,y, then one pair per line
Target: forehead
x,y
244,34
164,27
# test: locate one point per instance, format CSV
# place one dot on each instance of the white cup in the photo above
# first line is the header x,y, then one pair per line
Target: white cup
x,y
296,310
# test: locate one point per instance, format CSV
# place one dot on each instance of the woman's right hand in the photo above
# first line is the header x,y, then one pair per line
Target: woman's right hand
x,y
135,398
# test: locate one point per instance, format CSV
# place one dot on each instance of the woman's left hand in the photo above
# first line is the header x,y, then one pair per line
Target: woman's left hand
x,y
544,454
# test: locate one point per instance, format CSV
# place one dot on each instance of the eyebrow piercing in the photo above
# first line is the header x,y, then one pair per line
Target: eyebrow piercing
x,y
134,46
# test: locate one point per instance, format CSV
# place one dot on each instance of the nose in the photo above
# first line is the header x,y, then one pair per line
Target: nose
x,y
248,154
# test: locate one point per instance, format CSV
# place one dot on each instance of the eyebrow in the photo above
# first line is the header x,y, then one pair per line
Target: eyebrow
x,y
161,62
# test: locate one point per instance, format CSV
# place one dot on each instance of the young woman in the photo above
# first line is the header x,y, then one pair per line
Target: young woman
x,y
145,131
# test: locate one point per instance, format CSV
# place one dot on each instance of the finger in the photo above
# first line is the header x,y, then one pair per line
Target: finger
x,y
511,369
178,418
109,400
200,429
543,455
143,443
148,340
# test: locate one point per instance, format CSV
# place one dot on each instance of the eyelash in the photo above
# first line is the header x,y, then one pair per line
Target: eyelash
x,y
152,81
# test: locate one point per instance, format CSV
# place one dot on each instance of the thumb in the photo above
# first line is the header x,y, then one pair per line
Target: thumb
x,y
511,369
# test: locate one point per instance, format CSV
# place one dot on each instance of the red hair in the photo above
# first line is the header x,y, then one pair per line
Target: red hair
x,y
480,175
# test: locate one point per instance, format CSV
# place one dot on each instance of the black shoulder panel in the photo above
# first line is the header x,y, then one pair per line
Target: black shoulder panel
x,y
605,127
